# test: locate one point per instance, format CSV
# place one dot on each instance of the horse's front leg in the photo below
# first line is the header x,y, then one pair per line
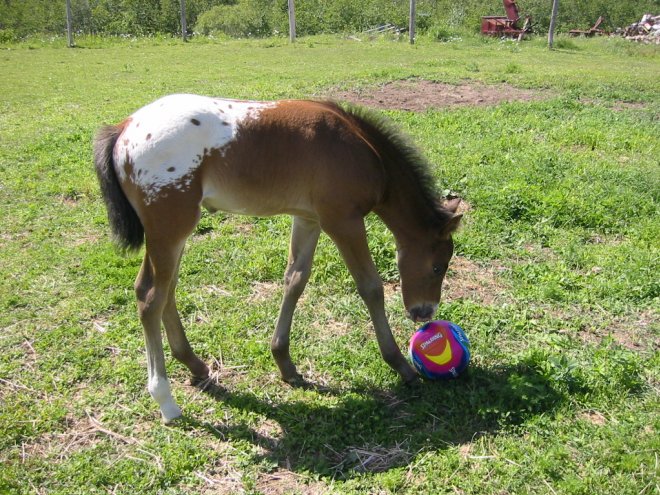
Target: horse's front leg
x,y
304,237
351,239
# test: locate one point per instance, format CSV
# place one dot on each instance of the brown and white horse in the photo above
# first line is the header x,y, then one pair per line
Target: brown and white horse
x,y
326,165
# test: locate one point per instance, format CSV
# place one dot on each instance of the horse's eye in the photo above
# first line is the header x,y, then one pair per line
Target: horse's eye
x,y
437,270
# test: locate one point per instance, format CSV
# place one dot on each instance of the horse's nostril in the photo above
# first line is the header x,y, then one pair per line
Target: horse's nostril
x,y
421,313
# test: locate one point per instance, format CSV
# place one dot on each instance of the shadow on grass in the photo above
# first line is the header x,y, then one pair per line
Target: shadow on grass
x,y
374,429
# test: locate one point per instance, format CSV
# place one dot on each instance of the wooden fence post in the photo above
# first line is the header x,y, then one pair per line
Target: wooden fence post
x,y
292,22
184,27
553,21
411,25
69,24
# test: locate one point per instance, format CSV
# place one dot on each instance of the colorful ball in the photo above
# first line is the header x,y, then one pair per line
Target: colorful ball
x,y
440,349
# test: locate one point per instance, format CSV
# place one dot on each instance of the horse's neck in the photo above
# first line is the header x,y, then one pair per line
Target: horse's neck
x,y
405,215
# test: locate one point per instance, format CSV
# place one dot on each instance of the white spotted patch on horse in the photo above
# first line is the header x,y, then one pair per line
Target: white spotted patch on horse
x,y
150,148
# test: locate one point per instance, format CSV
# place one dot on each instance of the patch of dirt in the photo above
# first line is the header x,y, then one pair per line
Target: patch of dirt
x,y
636,332
263,291
283,481
78,435
620,106
88,238
421,95
330,329
70,200
84,434
244,228
223,478
617,106
593,417
469,280
270,431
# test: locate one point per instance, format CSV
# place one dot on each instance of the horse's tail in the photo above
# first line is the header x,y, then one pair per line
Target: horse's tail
x,y
125,224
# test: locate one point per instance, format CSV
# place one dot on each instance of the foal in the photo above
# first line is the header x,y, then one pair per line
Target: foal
x,y
326,165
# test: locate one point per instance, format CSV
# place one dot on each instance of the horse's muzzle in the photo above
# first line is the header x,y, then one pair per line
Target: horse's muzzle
x,y
422,313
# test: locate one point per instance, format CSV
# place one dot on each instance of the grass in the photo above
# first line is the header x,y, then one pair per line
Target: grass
x,y
555,283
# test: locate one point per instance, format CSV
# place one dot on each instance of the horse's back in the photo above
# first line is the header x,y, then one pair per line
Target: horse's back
x,y
259,158
164,143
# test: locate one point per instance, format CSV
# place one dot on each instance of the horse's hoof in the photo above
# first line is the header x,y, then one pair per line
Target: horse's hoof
x,y
200,381
413,381
171,413
200,372
295,380
410,377
173,421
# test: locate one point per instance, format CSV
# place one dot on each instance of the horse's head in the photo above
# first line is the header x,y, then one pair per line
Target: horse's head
x,y
423,265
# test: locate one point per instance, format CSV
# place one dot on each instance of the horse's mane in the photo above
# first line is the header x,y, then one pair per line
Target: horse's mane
x,y
404,164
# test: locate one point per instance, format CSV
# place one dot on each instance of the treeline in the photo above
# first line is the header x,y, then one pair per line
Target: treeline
x,y
115,17
244,18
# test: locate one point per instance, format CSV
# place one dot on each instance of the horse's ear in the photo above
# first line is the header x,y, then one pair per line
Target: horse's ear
x,y
452,225
454,220
452,204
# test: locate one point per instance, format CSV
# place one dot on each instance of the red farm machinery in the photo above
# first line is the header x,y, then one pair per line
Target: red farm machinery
x,y
508,25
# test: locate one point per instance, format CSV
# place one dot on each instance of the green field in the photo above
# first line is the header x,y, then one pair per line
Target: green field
x,y
555,281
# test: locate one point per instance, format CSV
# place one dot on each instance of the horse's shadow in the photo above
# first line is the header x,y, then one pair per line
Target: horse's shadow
x,y
375,429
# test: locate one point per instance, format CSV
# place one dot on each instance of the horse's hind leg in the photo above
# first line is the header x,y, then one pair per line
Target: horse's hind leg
x,y
304,237
152,289
176,335
165,232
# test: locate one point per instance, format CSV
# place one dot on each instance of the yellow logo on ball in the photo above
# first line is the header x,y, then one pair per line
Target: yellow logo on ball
x,y
443,358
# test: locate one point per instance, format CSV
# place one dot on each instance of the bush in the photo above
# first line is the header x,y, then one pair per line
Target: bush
x,y
245,19
562,43
340,16
7,36
442,32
